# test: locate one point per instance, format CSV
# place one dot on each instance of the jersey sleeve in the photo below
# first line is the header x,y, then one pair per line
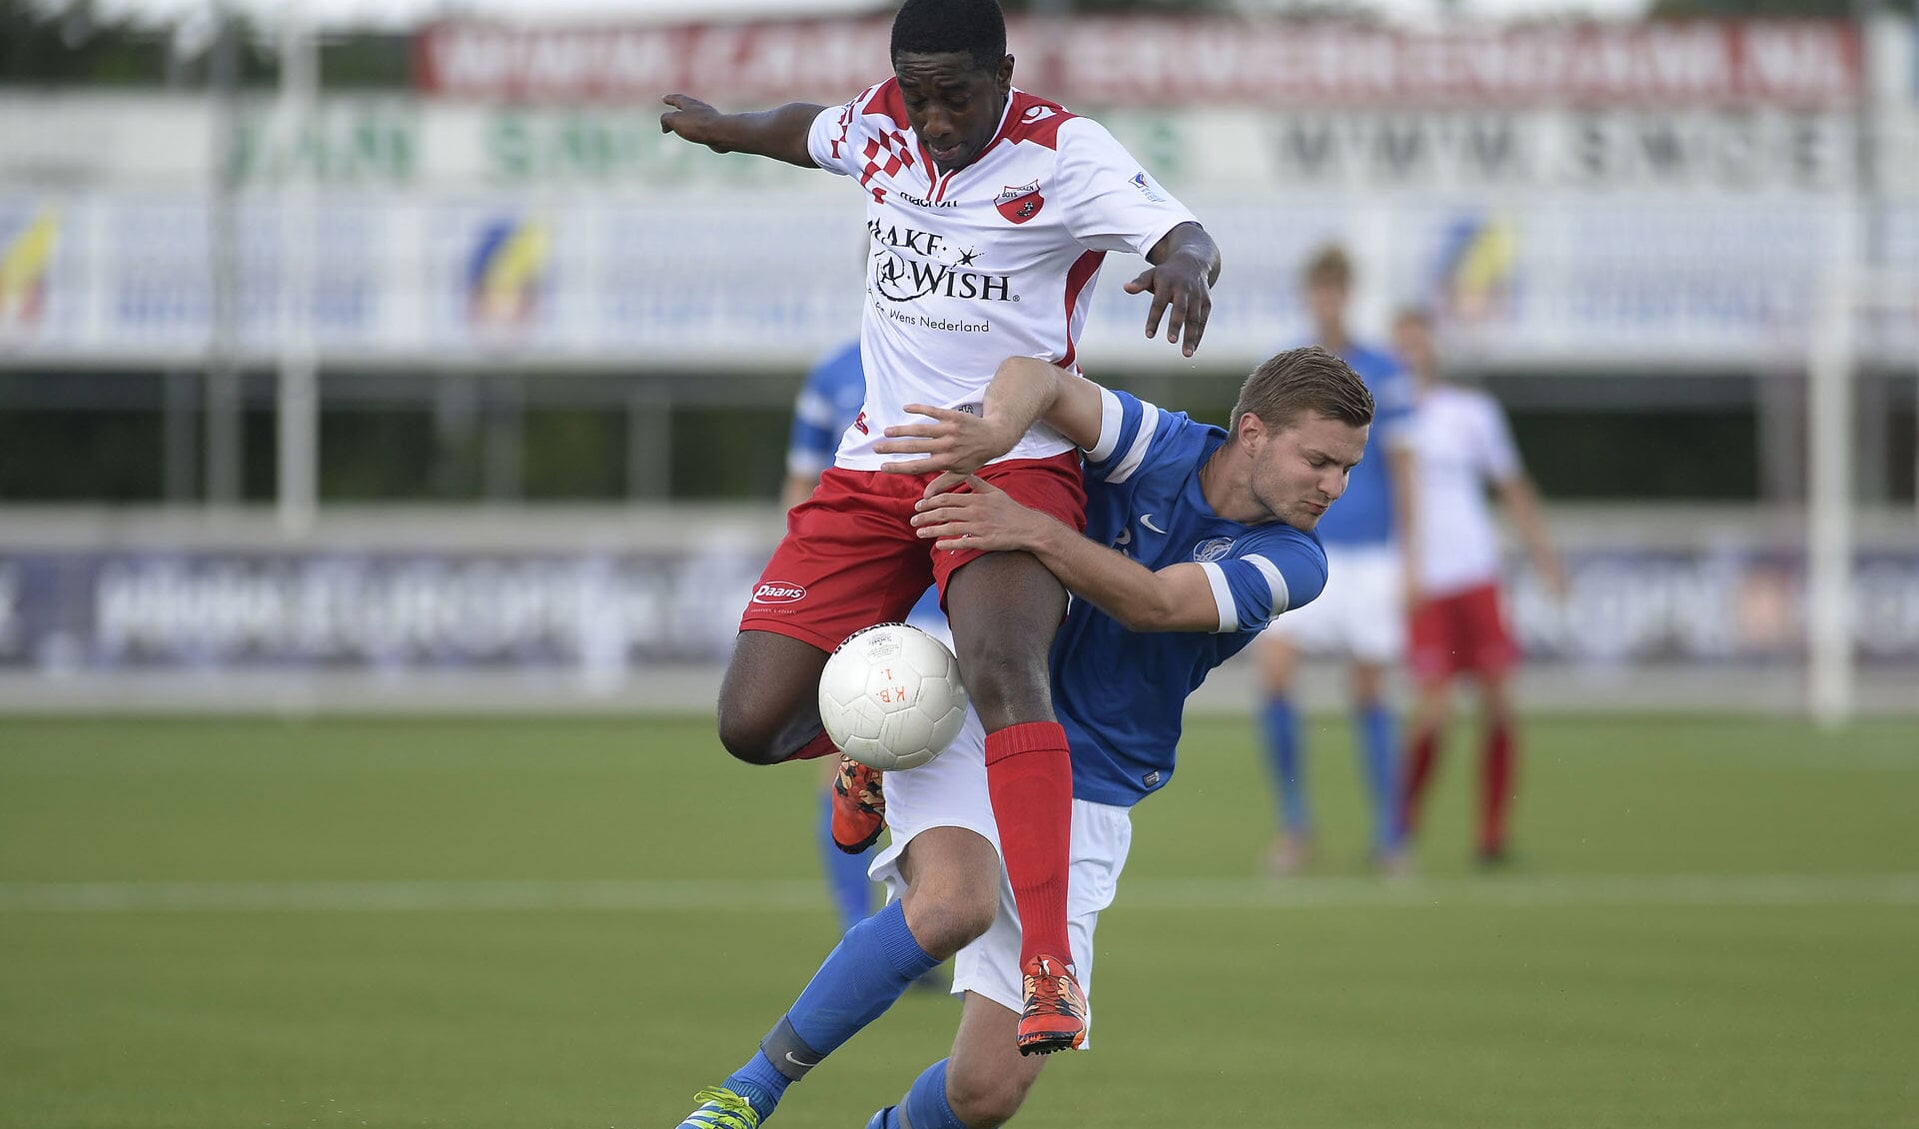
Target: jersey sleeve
x,y
834,140
1130,431
1264,577
1497,451
1112,204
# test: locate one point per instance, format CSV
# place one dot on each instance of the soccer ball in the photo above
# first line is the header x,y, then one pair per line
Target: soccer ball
x,y
891,697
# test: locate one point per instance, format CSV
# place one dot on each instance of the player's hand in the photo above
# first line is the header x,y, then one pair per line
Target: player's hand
x,y
694,120
1411,594
1180,293
1552,573
983,517
952,442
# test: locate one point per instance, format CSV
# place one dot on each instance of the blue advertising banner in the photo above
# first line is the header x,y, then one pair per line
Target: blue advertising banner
x,y
452,609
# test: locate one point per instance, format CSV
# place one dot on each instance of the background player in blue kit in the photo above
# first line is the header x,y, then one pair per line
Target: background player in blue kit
x,y
1369,542
827,404
1196,538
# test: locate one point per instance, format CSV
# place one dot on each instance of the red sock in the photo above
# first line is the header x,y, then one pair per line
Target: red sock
x,y
1495,787
820,746
1029,776
1419,772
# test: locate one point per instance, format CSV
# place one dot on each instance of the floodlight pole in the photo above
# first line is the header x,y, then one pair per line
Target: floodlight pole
x,y
298,407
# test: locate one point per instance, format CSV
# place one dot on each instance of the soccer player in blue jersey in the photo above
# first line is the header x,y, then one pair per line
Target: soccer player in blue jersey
x,y
1369,541
828,403
1196,538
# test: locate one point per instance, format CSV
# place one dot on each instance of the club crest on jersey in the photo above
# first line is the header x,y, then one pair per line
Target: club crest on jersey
x,y
1020,204
1212,549
779,592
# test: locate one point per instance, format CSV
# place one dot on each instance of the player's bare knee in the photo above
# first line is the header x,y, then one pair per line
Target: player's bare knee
x,y
984,1099
748,738
946,917
1007,689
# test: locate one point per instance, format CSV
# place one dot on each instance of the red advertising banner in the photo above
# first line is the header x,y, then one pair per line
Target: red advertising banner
x,y
1811,64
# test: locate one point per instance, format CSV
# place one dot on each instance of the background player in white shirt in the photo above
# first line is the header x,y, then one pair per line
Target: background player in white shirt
x,y
989,213
1461,446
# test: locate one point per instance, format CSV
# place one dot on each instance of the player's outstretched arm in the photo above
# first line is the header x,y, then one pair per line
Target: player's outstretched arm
x,y
1023,391
1522,502
1176,598
780,133
1185,265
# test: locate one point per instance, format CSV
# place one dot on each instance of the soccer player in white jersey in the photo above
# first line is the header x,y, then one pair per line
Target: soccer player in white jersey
x,y
1461,446
989,212
1196,538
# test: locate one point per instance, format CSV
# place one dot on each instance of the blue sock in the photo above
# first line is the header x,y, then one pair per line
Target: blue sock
x,y
1282,754
1379,744
845,874
859,979
925,1103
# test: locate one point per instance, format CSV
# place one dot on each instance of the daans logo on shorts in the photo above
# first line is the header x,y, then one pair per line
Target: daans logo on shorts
x,y
779,592
1019,204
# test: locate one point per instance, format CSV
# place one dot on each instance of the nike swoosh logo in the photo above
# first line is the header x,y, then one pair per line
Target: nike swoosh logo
x,y
800,1062
1147,521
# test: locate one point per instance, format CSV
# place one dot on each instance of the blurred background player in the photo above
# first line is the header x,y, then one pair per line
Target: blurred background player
x,y
827,404
1359,615
1463,445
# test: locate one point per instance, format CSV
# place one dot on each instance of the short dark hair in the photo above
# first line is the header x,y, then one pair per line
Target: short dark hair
x,y
936,27
1329,265
1302,380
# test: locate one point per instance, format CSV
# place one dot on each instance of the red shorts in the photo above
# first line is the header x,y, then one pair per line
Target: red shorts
x,y
1460,633
851,557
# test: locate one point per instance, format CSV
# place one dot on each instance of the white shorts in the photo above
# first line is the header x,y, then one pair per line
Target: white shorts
x,y
950,791
1360,615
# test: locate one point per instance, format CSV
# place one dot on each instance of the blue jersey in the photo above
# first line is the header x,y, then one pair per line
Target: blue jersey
x,y
1364,515
1121,695
829,401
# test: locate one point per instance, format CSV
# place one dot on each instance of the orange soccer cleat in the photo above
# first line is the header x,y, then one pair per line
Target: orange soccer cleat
x,y
859,807
1055,1015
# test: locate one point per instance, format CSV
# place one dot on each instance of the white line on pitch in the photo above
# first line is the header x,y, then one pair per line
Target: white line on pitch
x,y
791,895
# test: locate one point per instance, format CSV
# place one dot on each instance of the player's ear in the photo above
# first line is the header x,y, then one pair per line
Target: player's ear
x,y
1003,77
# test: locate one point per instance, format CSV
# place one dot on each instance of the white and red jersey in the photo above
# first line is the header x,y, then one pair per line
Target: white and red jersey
x,y
1462,445
994,260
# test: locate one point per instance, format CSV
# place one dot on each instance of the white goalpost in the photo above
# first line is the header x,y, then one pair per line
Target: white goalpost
x,y
1849,292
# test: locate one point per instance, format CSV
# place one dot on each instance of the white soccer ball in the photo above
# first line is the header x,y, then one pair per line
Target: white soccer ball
x,y
891,697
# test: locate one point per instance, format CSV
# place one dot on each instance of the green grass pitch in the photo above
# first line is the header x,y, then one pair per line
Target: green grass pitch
x,y
578,922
